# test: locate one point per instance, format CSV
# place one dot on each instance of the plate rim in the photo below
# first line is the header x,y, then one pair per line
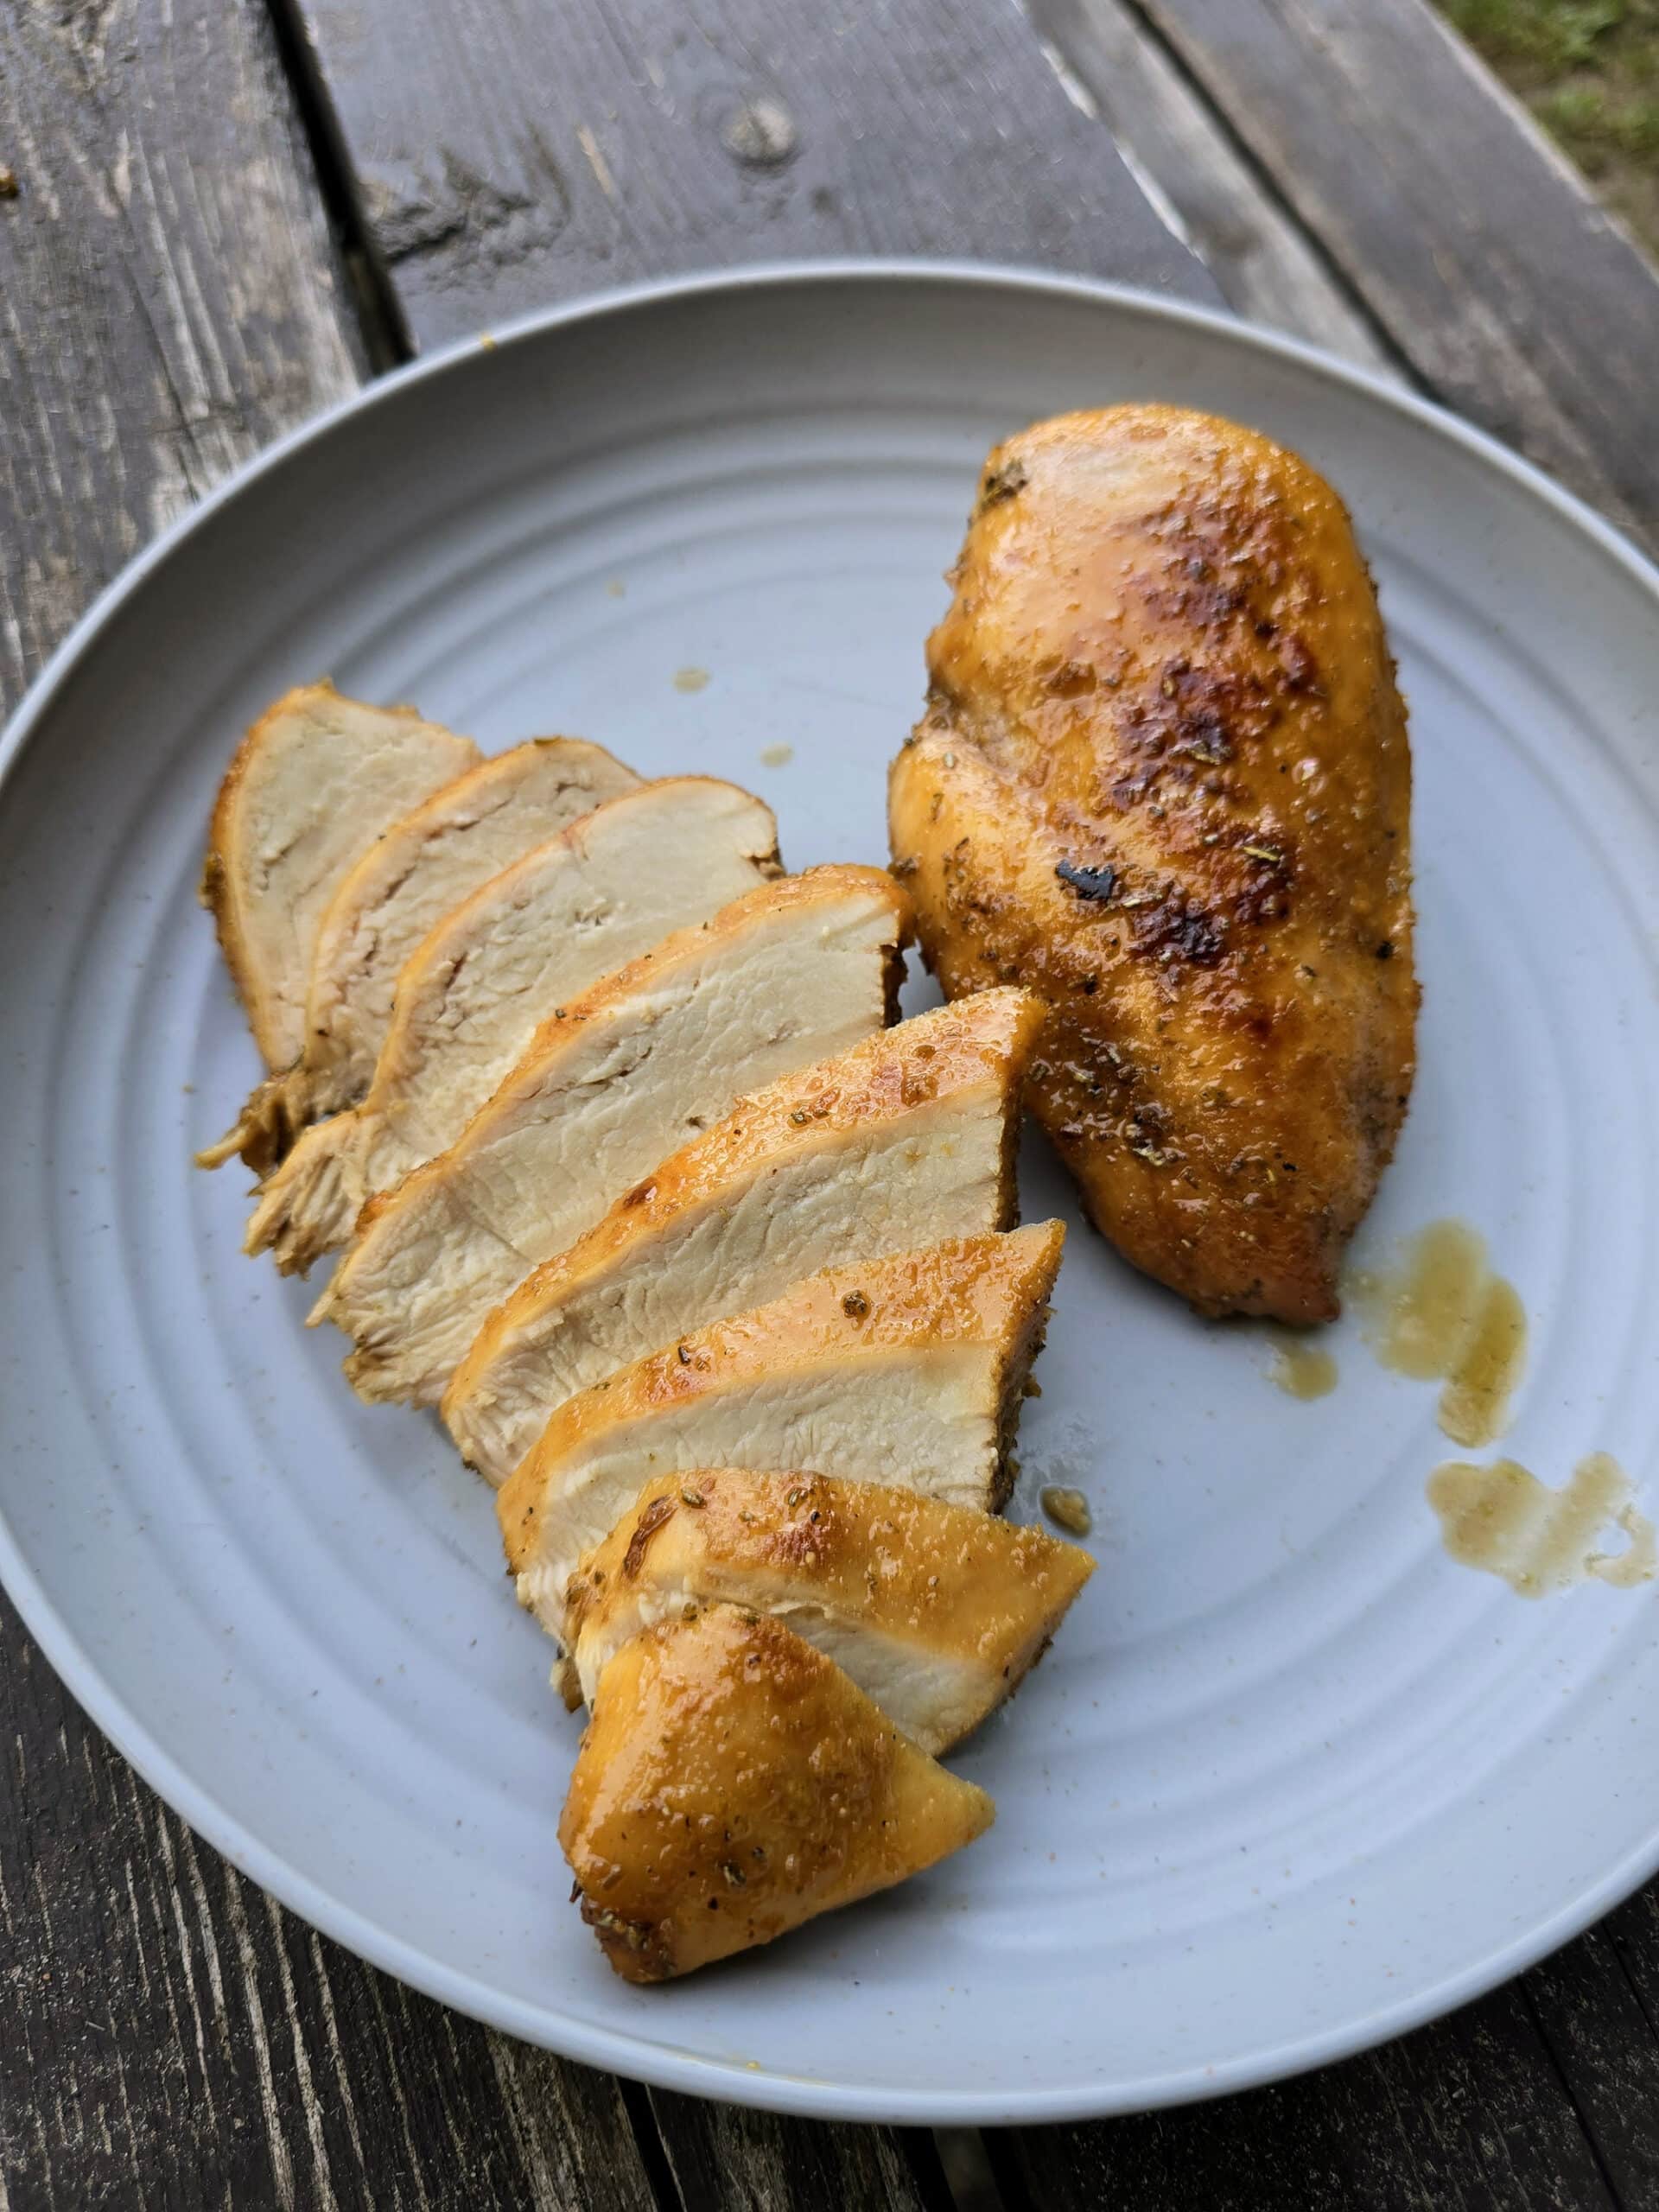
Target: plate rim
x,y
635,2057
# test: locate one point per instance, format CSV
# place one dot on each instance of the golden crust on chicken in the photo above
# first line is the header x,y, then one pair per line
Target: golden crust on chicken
x,y
734,1783
1163,780
937,1611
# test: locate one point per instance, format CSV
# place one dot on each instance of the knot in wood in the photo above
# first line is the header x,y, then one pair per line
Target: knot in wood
x,y
760,134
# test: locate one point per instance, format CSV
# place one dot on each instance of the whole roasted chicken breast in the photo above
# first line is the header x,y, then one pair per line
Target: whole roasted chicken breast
x,y
1163,780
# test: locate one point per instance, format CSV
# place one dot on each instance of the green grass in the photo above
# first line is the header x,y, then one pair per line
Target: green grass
x,y
1589,70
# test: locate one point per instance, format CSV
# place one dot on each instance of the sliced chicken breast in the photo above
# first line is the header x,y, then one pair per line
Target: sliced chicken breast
x,y
935,1611
403,887
471,997
614,1081
904,1140
909,1369
314,782
734,1783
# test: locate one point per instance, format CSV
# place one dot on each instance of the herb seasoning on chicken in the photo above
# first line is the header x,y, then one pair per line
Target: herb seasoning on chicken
x,y
1163,780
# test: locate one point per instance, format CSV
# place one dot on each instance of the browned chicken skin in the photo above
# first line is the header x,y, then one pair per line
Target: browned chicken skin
x,y
733,1783
1163,780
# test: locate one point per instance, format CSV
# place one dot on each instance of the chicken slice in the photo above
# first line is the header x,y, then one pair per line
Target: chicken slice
x,y
314,782
406,882
904,1140
470,998
612,1083
911,1366
734,1783
1163,779
936,1612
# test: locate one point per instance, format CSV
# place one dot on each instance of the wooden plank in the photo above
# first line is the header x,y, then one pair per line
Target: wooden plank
x,y
724,2159
1234,217
1467,2116
1483,255
170,2035
168,297
170,301
1633,1935
1597,2004
509,157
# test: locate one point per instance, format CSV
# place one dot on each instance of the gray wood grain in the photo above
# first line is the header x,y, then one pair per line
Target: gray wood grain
x,y
170,2035
1511,293
1234,216
168,297
1467,2116
757,2162
1597,2005
507,157
170,301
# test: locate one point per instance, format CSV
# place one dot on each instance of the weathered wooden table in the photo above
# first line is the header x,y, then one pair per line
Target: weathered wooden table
x,y
216,216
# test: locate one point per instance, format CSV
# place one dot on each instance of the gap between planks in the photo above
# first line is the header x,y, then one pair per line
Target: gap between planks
x,y
1513,294
1270,268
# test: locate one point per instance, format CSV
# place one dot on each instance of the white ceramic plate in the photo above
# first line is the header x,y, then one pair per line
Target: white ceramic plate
x,y
1290,1780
